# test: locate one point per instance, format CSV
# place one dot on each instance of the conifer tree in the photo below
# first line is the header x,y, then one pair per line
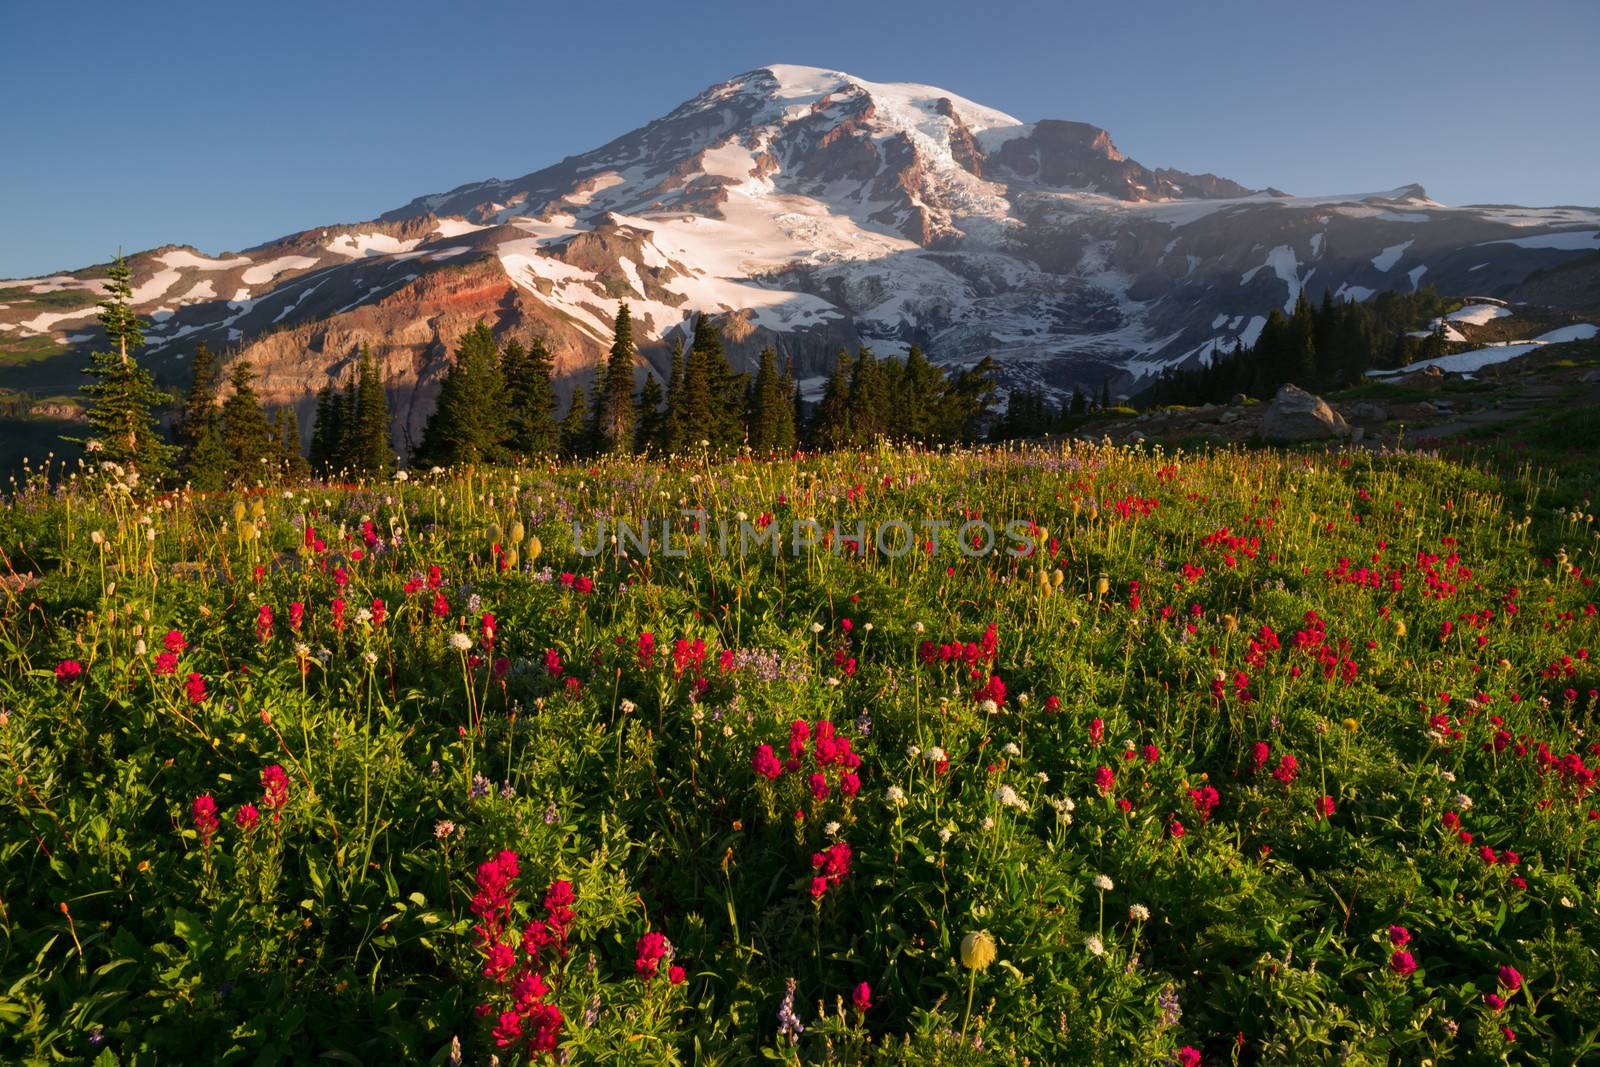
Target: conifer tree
x,y
469,425
649,419
785,435
531,398
200,457
867,402
123,398
615,401
251,444
370,451
575,426
291,460
830,421
674,433
770,422
327,431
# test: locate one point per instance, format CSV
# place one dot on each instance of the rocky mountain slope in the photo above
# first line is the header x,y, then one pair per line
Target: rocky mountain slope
x,y
809,209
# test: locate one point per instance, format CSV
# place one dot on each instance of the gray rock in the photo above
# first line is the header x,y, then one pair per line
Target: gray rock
x,y
1296,415
1237,400
1367,411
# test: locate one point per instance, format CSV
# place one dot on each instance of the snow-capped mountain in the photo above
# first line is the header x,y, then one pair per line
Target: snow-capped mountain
x,y
810,209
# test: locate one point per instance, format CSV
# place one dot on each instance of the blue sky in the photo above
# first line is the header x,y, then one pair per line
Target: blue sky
x,y
225,125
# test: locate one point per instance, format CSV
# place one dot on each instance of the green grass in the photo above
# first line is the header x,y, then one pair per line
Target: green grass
x,y
60,300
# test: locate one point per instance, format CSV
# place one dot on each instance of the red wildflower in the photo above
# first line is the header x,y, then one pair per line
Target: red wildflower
x,y
651,948
274,788
861,998
205,817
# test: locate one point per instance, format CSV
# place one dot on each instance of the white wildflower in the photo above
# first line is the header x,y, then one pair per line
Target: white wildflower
x,y
460,642
1139,913
895,796
1094,945
1102,883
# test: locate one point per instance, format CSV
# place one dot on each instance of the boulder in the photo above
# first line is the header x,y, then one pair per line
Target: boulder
x,y
1368,412
1296,415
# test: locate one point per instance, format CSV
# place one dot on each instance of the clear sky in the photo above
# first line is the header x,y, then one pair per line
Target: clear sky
x,y
223,125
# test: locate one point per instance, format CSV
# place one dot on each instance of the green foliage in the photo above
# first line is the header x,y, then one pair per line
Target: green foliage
x,y
470,423
123,398
251,443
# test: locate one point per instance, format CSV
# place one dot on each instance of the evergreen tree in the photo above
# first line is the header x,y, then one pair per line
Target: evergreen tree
x,y
868,401
349,442
470,423
713,394
674,432
916,405
200,456
251,444
291,460
769,424
615,402
575,426
830,420
370,451
649,419
327,431
785,434
123,398
531,398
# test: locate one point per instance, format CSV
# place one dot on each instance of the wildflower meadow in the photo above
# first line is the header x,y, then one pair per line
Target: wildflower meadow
x,y
1050,755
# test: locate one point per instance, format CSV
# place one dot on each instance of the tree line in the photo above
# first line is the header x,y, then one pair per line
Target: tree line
x,y
497,405
1329,346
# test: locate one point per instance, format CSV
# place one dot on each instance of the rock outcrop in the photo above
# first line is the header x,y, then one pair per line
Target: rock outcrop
x,y
1296,415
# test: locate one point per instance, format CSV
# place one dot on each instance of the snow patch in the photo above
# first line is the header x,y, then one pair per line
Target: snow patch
x,y
1478,314
1391,255
358,245
265,272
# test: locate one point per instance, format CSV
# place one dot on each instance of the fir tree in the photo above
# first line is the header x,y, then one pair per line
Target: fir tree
x,y
615,402
295,467
674,432
531,398
770,421
200,456
830,420
370,452
327,431
469,425
649,419
575,426
251,444
123,398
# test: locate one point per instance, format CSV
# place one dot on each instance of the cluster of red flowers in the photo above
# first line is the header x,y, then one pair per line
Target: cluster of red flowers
x,y
580,583
1401,961
648,952
526,1016
972,655
831,865
68,671
1205,800
829,749
1232,545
